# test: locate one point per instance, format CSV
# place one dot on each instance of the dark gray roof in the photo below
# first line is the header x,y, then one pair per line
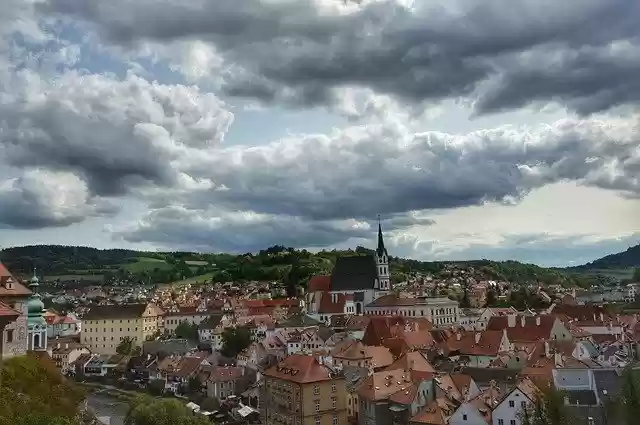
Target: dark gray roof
x,y
607,380
581,414
110,312
354,376
325,332
483,376
581,397
211,322
354,273
358,296
299,320
171,346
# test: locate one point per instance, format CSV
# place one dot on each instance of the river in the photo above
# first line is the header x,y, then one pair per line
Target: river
x,y
109,410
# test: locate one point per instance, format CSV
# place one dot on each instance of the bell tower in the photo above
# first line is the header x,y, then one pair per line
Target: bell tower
x,y
382,262
36,324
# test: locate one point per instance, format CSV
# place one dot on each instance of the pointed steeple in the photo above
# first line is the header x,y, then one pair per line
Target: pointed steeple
x,y
381,249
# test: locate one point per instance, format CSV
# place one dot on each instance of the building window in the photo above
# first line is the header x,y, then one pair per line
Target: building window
x,y
9,335
333,388
316,389
512,403
512,422
523,404
317,420
464,416
333,402
334,420
317,403
500,421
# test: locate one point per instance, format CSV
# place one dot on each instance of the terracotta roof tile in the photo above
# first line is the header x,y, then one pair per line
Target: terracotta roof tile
x,y
17,289
535,327
319,283
381,385
8,312
300,369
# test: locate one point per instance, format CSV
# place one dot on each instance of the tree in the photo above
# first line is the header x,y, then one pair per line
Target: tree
x,y
187,330
33,392
625,408
465,303
548,409
293,280
636,274
234,340
150,411
156,387
194,385
492,298
126,346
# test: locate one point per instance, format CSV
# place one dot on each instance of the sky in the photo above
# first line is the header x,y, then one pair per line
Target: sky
x,y
472,130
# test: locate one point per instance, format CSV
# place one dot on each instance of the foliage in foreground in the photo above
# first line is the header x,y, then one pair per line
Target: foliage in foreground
x,y
150,411
548,409
34,393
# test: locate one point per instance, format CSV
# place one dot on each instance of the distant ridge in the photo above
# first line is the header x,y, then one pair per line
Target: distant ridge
x,y
625,259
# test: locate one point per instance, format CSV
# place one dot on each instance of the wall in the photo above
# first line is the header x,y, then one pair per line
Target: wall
x,y
473,417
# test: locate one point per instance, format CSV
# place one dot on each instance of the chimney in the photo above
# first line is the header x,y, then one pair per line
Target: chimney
x,y
458,336
523,321
537,320
601,317
511,320
547,349
57,345
66,346
477,336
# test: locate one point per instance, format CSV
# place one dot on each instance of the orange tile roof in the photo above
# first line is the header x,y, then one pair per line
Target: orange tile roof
x,y
17,290
8,312
381,385
301,369
319,283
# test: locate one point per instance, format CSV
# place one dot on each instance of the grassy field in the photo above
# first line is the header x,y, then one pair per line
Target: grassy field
x,y
194,279
146,264
197,263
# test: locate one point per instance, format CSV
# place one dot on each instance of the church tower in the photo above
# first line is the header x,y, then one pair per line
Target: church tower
x,y
36,324
382,263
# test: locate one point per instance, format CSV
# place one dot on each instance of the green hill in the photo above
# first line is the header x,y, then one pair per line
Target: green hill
x,y
84,266
626,259
620,267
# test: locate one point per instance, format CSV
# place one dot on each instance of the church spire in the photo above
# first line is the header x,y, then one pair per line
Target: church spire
x,y
381,249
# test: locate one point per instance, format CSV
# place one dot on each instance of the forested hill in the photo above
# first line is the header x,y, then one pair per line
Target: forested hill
x,y
277,263
625,259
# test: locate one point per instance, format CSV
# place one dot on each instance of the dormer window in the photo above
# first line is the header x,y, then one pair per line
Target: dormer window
x,y
9,283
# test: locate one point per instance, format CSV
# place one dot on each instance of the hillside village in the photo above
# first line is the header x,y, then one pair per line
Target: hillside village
x,y
350,346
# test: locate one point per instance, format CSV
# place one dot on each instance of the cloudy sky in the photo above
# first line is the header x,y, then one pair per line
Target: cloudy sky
x,y
475,130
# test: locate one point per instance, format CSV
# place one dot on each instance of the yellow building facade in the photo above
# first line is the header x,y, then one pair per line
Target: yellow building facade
x,y
105,326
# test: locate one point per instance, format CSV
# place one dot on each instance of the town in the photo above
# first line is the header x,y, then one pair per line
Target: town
x,y
352,347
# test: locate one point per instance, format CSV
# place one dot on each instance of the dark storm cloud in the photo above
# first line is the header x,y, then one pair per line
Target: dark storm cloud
x,y
363,171
296,50
115,134
203,230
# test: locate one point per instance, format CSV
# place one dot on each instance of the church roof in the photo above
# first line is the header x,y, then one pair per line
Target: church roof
x,y
354,273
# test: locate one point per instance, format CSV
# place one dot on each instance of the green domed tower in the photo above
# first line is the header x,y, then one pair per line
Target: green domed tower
x,y
36,324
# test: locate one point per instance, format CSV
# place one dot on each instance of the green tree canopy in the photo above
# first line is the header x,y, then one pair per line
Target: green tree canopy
x,y
234,340
187,330
150,411
548,409
126,347
33,392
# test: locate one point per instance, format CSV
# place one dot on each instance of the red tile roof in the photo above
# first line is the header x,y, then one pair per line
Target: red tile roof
x,y
535,327
8,312
301,369
17,289
331,303
319,283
